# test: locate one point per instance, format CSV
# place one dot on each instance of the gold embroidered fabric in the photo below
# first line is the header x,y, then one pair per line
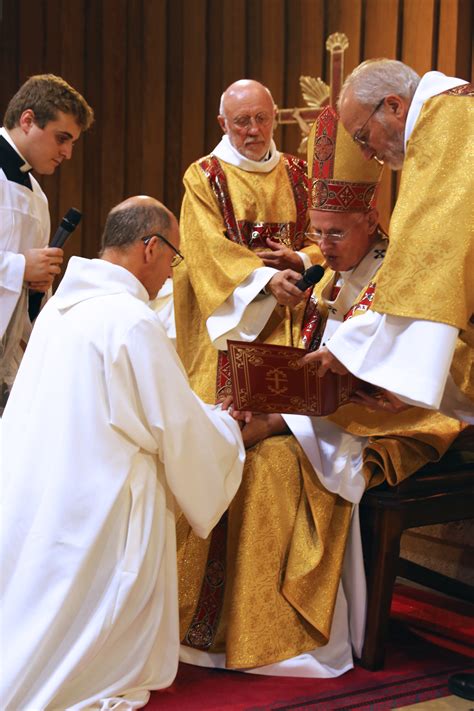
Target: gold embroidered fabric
x,y
286,534
214,265
428,272
285,546
399,444
462,365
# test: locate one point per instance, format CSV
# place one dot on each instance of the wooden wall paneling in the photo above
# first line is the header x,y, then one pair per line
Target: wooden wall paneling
x,y
71,173
465,41
381,28
419,34
381,39
272,44
214,72
235,42
455,38
136,99
312,40
272,61
31,57
174,106
153,108
112,117
346,16
31,38
9,53
92,222
51,63
226,61
52,37
266,53
448,30
193,84
305,48
255,26
472,50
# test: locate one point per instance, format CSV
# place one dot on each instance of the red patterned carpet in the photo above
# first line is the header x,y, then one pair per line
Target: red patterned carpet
x,y
431,637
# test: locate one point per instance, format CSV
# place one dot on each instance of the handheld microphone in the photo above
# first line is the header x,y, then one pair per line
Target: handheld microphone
x,y
310,277
68,224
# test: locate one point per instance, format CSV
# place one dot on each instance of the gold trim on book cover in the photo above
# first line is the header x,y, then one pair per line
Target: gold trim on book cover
x,y
268,378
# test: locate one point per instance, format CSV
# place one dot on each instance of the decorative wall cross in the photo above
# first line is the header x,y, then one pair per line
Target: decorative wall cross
x,y
316,93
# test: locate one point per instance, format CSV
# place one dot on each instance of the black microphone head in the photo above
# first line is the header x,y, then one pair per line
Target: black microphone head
x,y
313,274
310,277
71,219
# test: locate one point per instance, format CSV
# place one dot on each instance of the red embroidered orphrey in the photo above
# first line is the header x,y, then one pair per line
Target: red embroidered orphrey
x,y
253,234
364,303
460,90
203,628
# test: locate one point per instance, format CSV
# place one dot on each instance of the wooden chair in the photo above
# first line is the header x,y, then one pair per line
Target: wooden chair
x,y
437,493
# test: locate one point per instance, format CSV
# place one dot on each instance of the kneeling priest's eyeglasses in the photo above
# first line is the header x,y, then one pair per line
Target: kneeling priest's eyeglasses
x,y
177,258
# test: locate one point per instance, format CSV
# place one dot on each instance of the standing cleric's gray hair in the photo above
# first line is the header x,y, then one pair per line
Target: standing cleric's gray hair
x,y
374,79
129,223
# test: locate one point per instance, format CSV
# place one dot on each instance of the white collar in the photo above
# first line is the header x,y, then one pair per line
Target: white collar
x,y
85,279
431,84
24,168
225,151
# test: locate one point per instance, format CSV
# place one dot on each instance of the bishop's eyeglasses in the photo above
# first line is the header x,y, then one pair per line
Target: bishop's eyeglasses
x,y
177,257
334,236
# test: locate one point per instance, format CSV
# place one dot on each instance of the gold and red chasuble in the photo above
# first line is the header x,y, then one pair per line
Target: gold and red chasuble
x,y
253,235
226,216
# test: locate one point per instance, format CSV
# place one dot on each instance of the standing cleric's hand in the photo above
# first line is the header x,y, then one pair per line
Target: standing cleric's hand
x,y
281,257
325,360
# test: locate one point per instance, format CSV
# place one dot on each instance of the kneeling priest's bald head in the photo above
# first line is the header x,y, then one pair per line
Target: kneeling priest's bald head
x,y
142,235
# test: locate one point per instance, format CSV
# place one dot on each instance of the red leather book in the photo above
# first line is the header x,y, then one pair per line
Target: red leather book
x,y
266,378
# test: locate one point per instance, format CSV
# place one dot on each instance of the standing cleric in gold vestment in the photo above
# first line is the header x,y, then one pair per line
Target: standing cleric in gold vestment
x,y
424,303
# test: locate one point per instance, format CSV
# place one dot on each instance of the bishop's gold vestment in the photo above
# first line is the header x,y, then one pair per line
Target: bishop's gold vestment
x,y
398,444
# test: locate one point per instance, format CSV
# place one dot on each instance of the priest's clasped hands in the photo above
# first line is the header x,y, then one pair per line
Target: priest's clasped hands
x,y
256,427
243,417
